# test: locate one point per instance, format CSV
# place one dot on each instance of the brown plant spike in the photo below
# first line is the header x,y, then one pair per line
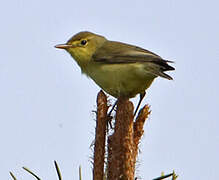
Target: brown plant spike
x,y
100,136
121,165
138,127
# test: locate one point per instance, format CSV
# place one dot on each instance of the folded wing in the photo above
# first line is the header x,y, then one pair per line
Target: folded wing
x,y
119,53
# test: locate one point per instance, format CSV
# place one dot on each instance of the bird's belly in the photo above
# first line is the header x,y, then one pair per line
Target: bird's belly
x,y
121,79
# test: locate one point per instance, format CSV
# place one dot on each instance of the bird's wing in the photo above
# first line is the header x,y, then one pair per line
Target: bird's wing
x,y
113,52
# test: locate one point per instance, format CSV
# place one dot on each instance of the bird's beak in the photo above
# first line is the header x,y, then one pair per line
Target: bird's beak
x,y
64,46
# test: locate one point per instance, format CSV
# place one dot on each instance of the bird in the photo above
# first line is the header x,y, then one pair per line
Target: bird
x,y
120,69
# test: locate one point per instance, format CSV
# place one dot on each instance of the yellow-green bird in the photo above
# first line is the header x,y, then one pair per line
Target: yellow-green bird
x,y
120,69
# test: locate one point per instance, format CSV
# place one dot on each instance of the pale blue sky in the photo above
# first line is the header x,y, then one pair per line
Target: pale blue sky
x,y
46,104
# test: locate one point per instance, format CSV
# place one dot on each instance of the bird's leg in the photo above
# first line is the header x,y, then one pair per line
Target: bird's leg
x,y
113,107
142,95
109,117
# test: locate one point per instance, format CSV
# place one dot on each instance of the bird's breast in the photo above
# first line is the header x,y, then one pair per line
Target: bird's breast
x,y
120,79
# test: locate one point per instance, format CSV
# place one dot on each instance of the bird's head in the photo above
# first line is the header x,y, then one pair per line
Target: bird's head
x,y
82,46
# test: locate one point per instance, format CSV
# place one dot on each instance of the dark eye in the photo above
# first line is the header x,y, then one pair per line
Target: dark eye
x,y
83,42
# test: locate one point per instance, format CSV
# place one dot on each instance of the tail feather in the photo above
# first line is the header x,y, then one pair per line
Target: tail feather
x,y
164,66
164,75
158,68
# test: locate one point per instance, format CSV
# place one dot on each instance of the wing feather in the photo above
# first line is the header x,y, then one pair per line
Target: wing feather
x,y
113,52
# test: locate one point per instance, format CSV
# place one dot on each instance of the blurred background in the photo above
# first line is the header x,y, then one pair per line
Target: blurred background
x,y
46,104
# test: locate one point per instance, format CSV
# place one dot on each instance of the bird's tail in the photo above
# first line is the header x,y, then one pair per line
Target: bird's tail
x,y
158,68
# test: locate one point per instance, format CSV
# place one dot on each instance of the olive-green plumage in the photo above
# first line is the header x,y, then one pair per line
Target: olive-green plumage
x,y
118,68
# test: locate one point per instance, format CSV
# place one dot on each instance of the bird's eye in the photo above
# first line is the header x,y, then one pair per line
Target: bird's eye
x,y
83,42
